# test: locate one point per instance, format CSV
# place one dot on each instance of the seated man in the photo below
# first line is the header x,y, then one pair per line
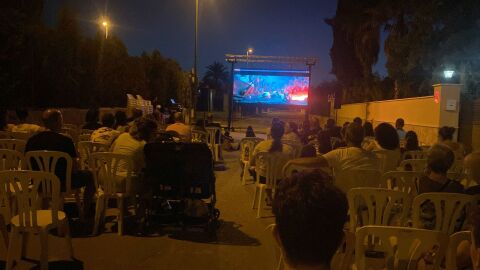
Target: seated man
x,y
471,164
310,213
347,158
182,129
132,143
439,160
23,126
105,134
52,140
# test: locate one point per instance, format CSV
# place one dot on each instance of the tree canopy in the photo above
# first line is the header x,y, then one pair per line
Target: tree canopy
x,y
422,39
42,66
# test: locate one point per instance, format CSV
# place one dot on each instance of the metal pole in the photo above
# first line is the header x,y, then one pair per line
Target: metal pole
x,y
230,95
196,43
307,111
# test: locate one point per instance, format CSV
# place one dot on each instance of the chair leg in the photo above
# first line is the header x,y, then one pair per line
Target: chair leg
x,y
280,262
260,202
254,204
79,205
99,209
120,215
14,234
68,238
44,249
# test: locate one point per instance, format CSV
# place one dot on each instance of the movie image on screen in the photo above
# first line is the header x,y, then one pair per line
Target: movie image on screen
x,y
271,86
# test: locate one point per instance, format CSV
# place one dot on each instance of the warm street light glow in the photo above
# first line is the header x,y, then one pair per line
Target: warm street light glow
x,y
448,74
105,23
250,50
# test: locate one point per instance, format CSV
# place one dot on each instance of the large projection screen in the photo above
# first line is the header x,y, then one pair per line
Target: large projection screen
x,y
275,87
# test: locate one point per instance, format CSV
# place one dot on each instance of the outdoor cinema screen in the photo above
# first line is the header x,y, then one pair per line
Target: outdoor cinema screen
x,y
289,87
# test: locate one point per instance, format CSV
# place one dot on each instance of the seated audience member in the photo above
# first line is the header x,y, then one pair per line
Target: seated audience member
x,y
308,151
52,140
343,131
310,213
105,134
349,158
399,124
23,126
358,121
132,143
275,120
468,252
228,143
121,123
250,133
445,136
471,165
291,133
136,114
330,125
91,119
439,160
315,126
387,146
182,129
324,142
411,142
369,135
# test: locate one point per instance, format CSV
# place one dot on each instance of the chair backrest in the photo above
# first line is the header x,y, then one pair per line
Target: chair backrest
x,y
71,126
86,148
84,137
86,131
383,207
6,198
296,147
448,209
110,170
31,189
414,155
402,247
21,135
11,160
402,181
199,136
348,179
13,144
455,240
246,149
214,135
417,165
291,168
46,161
273,163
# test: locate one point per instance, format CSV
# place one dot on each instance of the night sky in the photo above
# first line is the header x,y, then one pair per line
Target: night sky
x,y
271,27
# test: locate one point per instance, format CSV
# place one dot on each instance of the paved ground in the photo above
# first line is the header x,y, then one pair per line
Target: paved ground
x,y
242,243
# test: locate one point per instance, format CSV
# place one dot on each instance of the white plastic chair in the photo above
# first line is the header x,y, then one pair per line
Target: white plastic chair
x,y
21,135
214,136
273,163
111,183
13,144
417,165
247,145
382,206
291,168
47,161
86,131
86,148
348,179
84,137
455,240
32,188
405,181
414,155
199,136
11,160
296,147
449,208
403,247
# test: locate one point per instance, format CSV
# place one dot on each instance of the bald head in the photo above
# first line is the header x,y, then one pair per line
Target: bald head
x,y
52,119
471,164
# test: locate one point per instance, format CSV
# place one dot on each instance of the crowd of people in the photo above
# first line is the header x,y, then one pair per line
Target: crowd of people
x,y
310,200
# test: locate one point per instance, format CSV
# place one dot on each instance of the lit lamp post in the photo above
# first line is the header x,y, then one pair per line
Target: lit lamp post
x,y
194,71
448,74
249,52
105,25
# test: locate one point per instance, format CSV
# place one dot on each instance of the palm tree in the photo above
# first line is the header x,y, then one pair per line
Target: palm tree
x,y
216,78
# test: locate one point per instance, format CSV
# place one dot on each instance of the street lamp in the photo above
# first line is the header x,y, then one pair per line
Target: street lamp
x,y
249,52
105,25
448,74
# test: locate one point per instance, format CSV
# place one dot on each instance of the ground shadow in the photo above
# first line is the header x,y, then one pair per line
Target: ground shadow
x,y
229,233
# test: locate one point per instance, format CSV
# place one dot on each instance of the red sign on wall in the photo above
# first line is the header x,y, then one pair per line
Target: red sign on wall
x,y
436,96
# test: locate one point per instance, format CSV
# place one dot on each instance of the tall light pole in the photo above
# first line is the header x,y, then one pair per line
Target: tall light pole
x,y
249,52
195,68
105,25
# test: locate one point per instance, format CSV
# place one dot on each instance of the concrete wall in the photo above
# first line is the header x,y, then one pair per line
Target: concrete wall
x,y
424,115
